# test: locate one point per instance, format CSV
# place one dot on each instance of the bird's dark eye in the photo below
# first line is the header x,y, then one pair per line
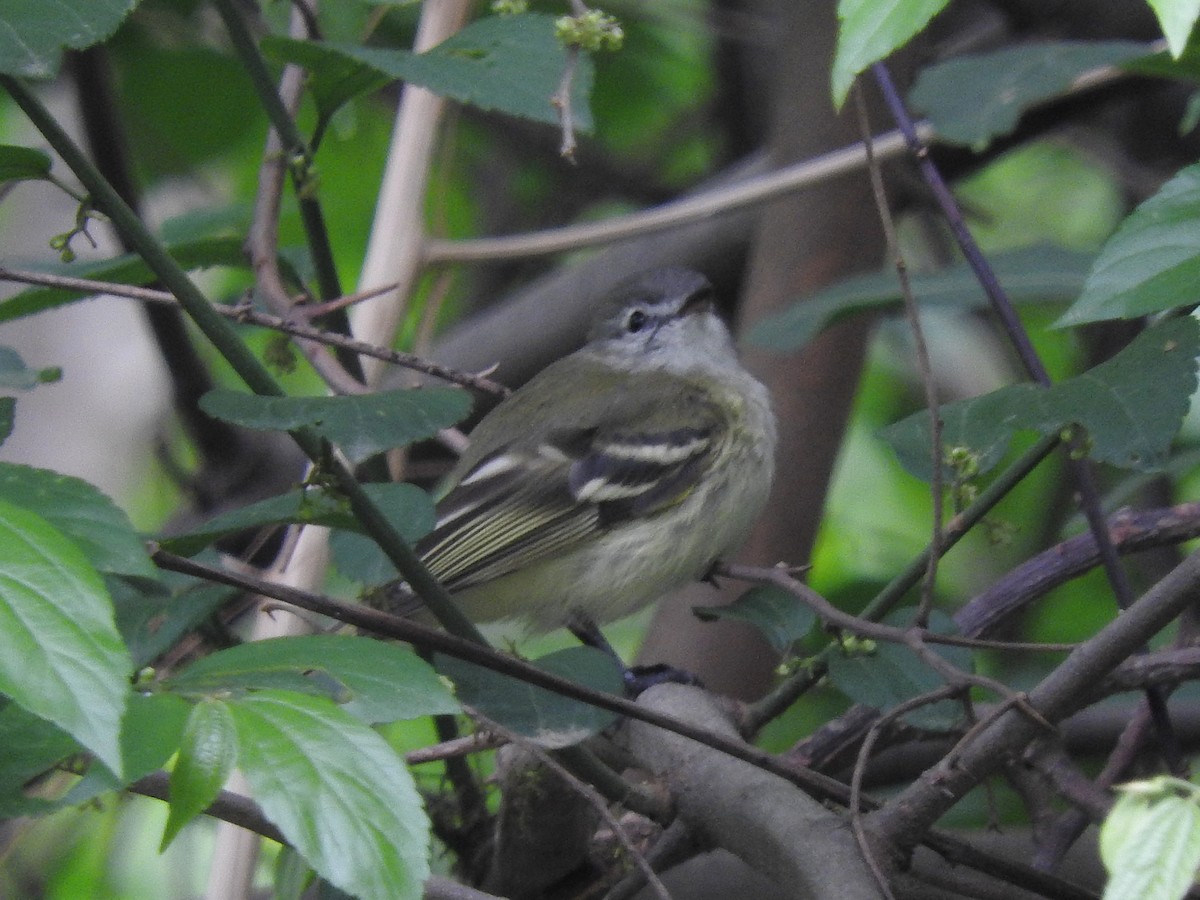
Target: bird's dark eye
x,y
636,321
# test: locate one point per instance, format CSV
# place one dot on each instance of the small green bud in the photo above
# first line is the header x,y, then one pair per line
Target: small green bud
x,y
592,31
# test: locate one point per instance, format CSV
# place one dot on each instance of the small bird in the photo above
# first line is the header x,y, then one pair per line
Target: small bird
x,y
615,475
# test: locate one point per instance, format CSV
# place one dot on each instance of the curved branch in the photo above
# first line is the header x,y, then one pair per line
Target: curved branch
x,y
756,815
910,814
752,191
1129,532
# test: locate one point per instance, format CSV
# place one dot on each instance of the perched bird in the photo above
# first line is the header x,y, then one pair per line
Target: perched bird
x,y
615,475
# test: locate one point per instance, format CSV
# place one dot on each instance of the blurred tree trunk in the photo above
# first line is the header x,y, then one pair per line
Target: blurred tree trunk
x,y
802,243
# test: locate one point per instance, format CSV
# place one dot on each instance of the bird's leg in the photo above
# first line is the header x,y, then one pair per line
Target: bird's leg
x,y
636,678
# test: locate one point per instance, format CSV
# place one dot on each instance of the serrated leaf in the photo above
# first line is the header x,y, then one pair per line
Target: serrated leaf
x,y
1177,18
207,755
22,163
781,618
1027,275
510,64
83,513
60,655
1131,406
870,30
1151,263
407,507
127,269
337,791
548,718
1151,848
374,681
33,33
893,673
973,99
361,426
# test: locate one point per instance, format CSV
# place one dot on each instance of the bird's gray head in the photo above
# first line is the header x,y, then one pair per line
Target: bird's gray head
x,y
660,315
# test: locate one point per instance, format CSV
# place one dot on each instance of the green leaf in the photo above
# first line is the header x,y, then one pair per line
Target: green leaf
x,y
1029,274
406,506
207,754
31,746
781,618
22,163
1151,263
361,426
892,674
1177,18
870,30
333,78
973,99
1131,406
127,269
337,791
293,876
1150,844
372,680
360,559
60,654
83,513
152,616
1184,68
33,33
151,732
548,718
510,64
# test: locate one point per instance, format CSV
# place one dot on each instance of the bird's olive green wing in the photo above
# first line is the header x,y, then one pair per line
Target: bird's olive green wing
x,y
546,493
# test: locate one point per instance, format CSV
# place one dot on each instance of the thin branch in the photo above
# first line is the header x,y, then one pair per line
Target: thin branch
x,y
585,790
750,192
1063,691
1089,495
783,696
833,617
673,846
860,766
245,813
291,149
285,151
814,783
476,742
912,313
228,806
398,628
561,100
241,359
252,317
1129,532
